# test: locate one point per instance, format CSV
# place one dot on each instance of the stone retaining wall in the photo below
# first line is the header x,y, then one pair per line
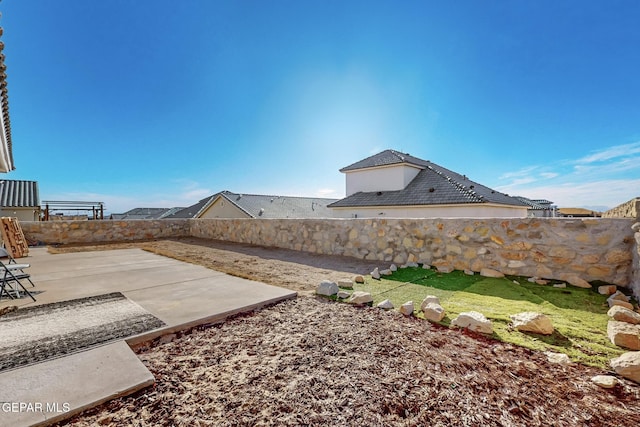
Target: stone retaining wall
x,y
635,275
55,232
592,249
552,248
630,209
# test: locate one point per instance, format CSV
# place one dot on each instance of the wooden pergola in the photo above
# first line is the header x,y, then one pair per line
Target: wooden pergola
x,y
95,208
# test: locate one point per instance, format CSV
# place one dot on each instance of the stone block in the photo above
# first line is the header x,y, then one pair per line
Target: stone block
x,y
624,334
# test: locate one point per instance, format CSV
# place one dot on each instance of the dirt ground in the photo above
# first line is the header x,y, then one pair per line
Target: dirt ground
x,y
313,362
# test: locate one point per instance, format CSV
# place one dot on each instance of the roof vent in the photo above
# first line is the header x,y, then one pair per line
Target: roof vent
x,y
431,190
261,212
239,197
379,193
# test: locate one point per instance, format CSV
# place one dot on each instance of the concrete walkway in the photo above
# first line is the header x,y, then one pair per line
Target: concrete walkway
x,y
181,294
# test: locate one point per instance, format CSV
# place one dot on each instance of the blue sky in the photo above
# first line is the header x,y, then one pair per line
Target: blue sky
x,y
161,103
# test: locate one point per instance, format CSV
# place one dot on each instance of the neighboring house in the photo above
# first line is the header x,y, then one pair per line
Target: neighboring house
x,y
146,213
19,199
234,205
395,184
6,152
539,208
578,213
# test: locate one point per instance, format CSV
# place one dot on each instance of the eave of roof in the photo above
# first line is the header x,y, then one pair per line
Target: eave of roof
x,y
385,158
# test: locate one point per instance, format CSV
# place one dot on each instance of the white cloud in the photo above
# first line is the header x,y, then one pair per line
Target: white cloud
x,y
549,175
624,150
328,193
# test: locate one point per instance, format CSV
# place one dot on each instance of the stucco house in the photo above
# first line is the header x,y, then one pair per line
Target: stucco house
x,y
395,184
19,199
226,204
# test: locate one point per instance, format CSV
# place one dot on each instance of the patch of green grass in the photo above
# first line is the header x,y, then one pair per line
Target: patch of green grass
x,y
579,316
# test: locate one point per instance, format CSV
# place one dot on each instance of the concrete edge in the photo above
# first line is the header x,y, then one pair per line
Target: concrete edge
x,y
140,340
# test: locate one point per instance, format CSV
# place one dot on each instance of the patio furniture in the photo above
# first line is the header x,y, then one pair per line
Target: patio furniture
x,y
10,275
12,264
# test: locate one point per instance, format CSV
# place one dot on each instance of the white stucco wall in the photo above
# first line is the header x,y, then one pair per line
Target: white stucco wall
x,y
384,178
437,211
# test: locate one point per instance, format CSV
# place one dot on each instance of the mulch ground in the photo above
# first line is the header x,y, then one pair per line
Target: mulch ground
x,y
313,362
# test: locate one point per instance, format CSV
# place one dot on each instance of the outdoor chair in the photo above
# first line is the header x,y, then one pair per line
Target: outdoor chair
x,y
7,260
10,275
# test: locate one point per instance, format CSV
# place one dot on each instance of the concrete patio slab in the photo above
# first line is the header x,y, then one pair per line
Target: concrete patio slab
x,y
48,392
183,295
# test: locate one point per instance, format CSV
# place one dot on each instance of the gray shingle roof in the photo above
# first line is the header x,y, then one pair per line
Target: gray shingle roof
x,y
385,158
539,204
265,206
146,213
433,185
14,193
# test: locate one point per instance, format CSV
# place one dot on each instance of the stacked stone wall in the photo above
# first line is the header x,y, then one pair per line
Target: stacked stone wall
x,y
553,248
65,232
635,275
630,209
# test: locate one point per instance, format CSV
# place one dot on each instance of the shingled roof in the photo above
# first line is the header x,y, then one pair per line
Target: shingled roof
x,y
6,151
433,185
264,206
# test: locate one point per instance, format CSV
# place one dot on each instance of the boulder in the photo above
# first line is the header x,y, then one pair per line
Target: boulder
x,y
375,274
578,282
358,279
343,294
433,311
530,321
429,299
607,289
620,303
385,305
360,298
327,288
623,314
473,321
559,358
345,283
489,272
605,381
624,334
407,308
628,365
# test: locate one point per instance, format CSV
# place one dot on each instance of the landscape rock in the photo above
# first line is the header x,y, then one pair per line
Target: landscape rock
x,y
636,227
532,279
428,300
360,298
623,314
618,296
444,269
385,305
620,303
358,279
433,311
489,272
607,289
624,334
412,264
605,381
560,285
628,365
8,309
534,322
559,358
578,282
327,288
407,308
375,274
469,272
473,321
426,266
346,283
386,272
343,294
542,282
393,267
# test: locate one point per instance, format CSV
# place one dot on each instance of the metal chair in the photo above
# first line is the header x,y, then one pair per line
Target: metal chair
x,y
10,275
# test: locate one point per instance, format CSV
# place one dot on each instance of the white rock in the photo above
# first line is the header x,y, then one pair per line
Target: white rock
x,y
529,321
623,314
407,308
343,294
393,267
444,269
412,264
375,274
385,305
433,312
607,289
469,272
578,282
559,358
346,283
624,334
360,298
473,321
532,279
428,300
327,288
426,266
489,272
386,272
560,285
605,381
628,365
